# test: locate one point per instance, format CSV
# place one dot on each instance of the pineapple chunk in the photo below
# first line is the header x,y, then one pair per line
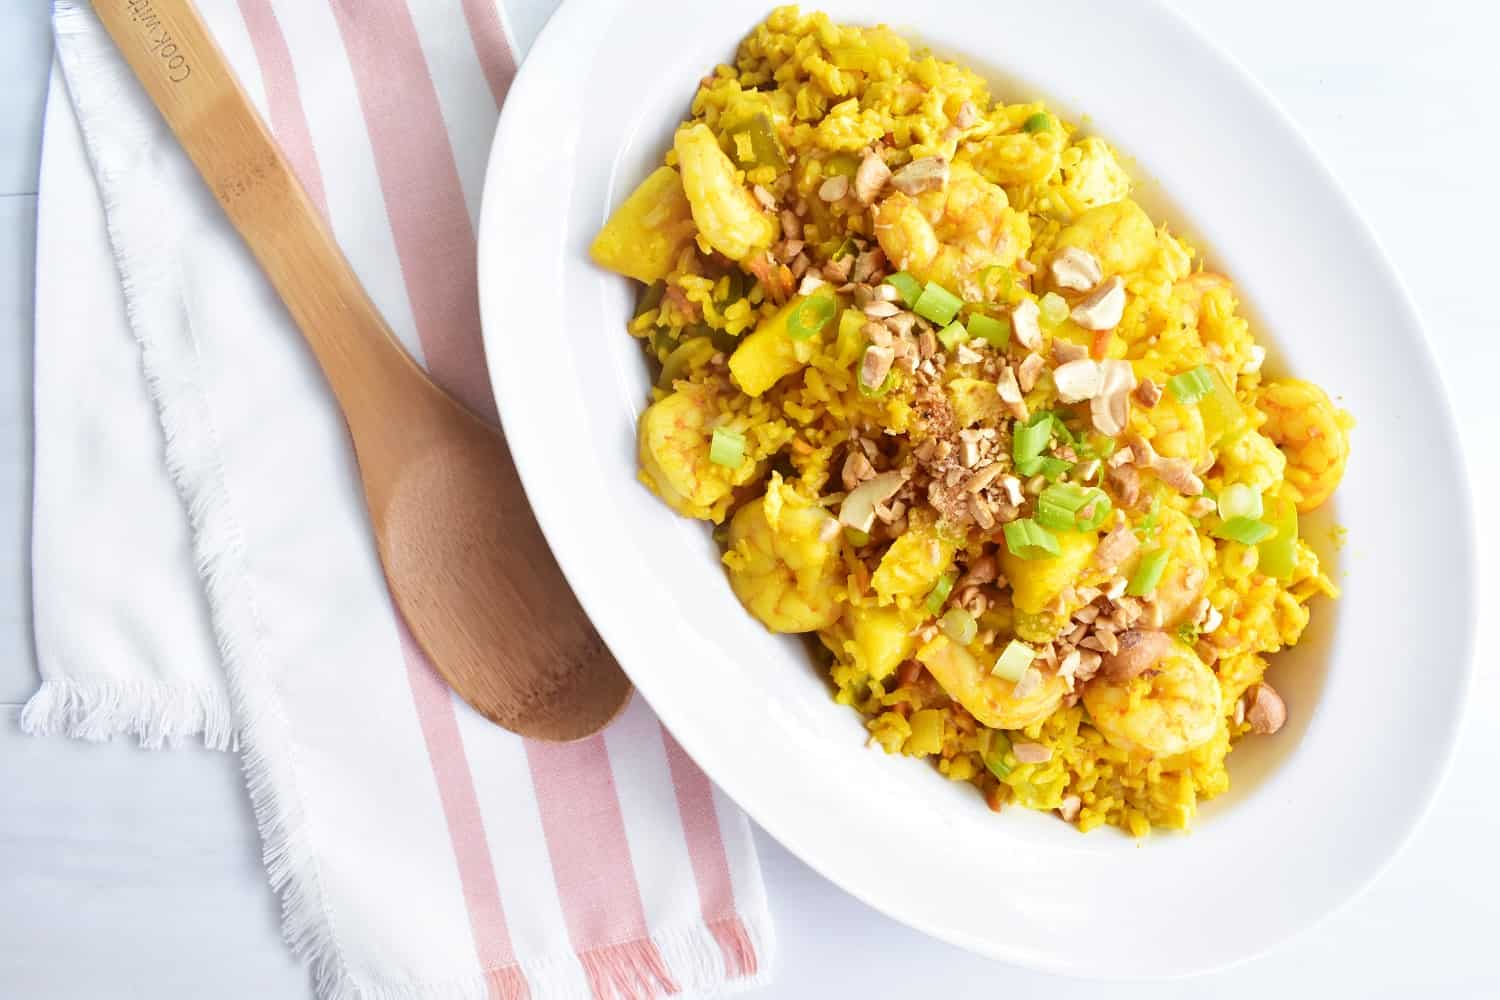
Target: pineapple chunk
x,y
882,638
1034,583
642,238
770,354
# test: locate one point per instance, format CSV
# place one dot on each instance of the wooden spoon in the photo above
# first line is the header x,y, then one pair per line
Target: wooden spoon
x,y
466,563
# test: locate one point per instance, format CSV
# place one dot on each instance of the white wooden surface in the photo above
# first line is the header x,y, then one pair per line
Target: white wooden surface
x,y
131,874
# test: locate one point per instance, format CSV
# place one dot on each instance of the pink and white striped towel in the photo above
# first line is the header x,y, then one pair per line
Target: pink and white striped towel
x,y
203,562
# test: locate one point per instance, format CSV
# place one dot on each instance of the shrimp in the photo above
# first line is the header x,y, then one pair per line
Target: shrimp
x,y
1311,432
724,211
950,236
674,438
1092,175
1018,158
1251,458
990,699
1186,573
783,562
1120,234
1169,709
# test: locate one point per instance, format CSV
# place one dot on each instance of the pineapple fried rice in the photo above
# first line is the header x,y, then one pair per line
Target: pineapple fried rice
x,y
975,422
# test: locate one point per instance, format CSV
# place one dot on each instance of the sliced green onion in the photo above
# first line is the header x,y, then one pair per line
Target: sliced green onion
x,y
1240,500
1192,385
959,626
909,288
885,387
995,332
1028,540
994,757
938,595
843,249
1148,526
1245,530
938,304
1051,468
811,316
952,335
1054,309
1029,439
858,539
1187,634
727,448
1147,573
1039,122
1068,507
1092,515
1014,661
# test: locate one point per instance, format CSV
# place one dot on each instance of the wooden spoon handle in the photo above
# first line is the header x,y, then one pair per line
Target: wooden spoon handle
x,y
173,55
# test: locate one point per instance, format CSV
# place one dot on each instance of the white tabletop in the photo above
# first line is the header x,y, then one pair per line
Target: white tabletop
x,y
125,873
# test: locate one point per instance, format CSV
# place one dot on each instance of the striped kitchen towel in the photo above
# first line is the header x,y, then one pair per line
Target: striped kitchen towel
x,y
203,563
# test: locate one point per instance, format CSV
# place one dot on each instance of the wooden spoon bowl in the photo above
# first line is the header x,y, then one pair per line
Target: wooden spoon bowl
x,y
466,563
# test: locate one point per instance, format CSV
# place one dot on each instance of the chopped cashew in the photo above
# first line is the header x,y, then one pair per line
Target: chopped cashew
x,y
1007,386
1031,753
930,173
1110,407
870,179
1102,308
1029,370
1139,650
1264,709
1025,321
1148,393
1077,269
1078,380
834,188
1064,351
875,366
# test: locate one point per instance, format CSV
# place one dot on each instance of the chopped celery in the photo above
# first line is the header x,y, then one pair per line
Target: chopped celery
x,y
727,448
937,304
1014,661
909,288
1222,414
1278,553
952,335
